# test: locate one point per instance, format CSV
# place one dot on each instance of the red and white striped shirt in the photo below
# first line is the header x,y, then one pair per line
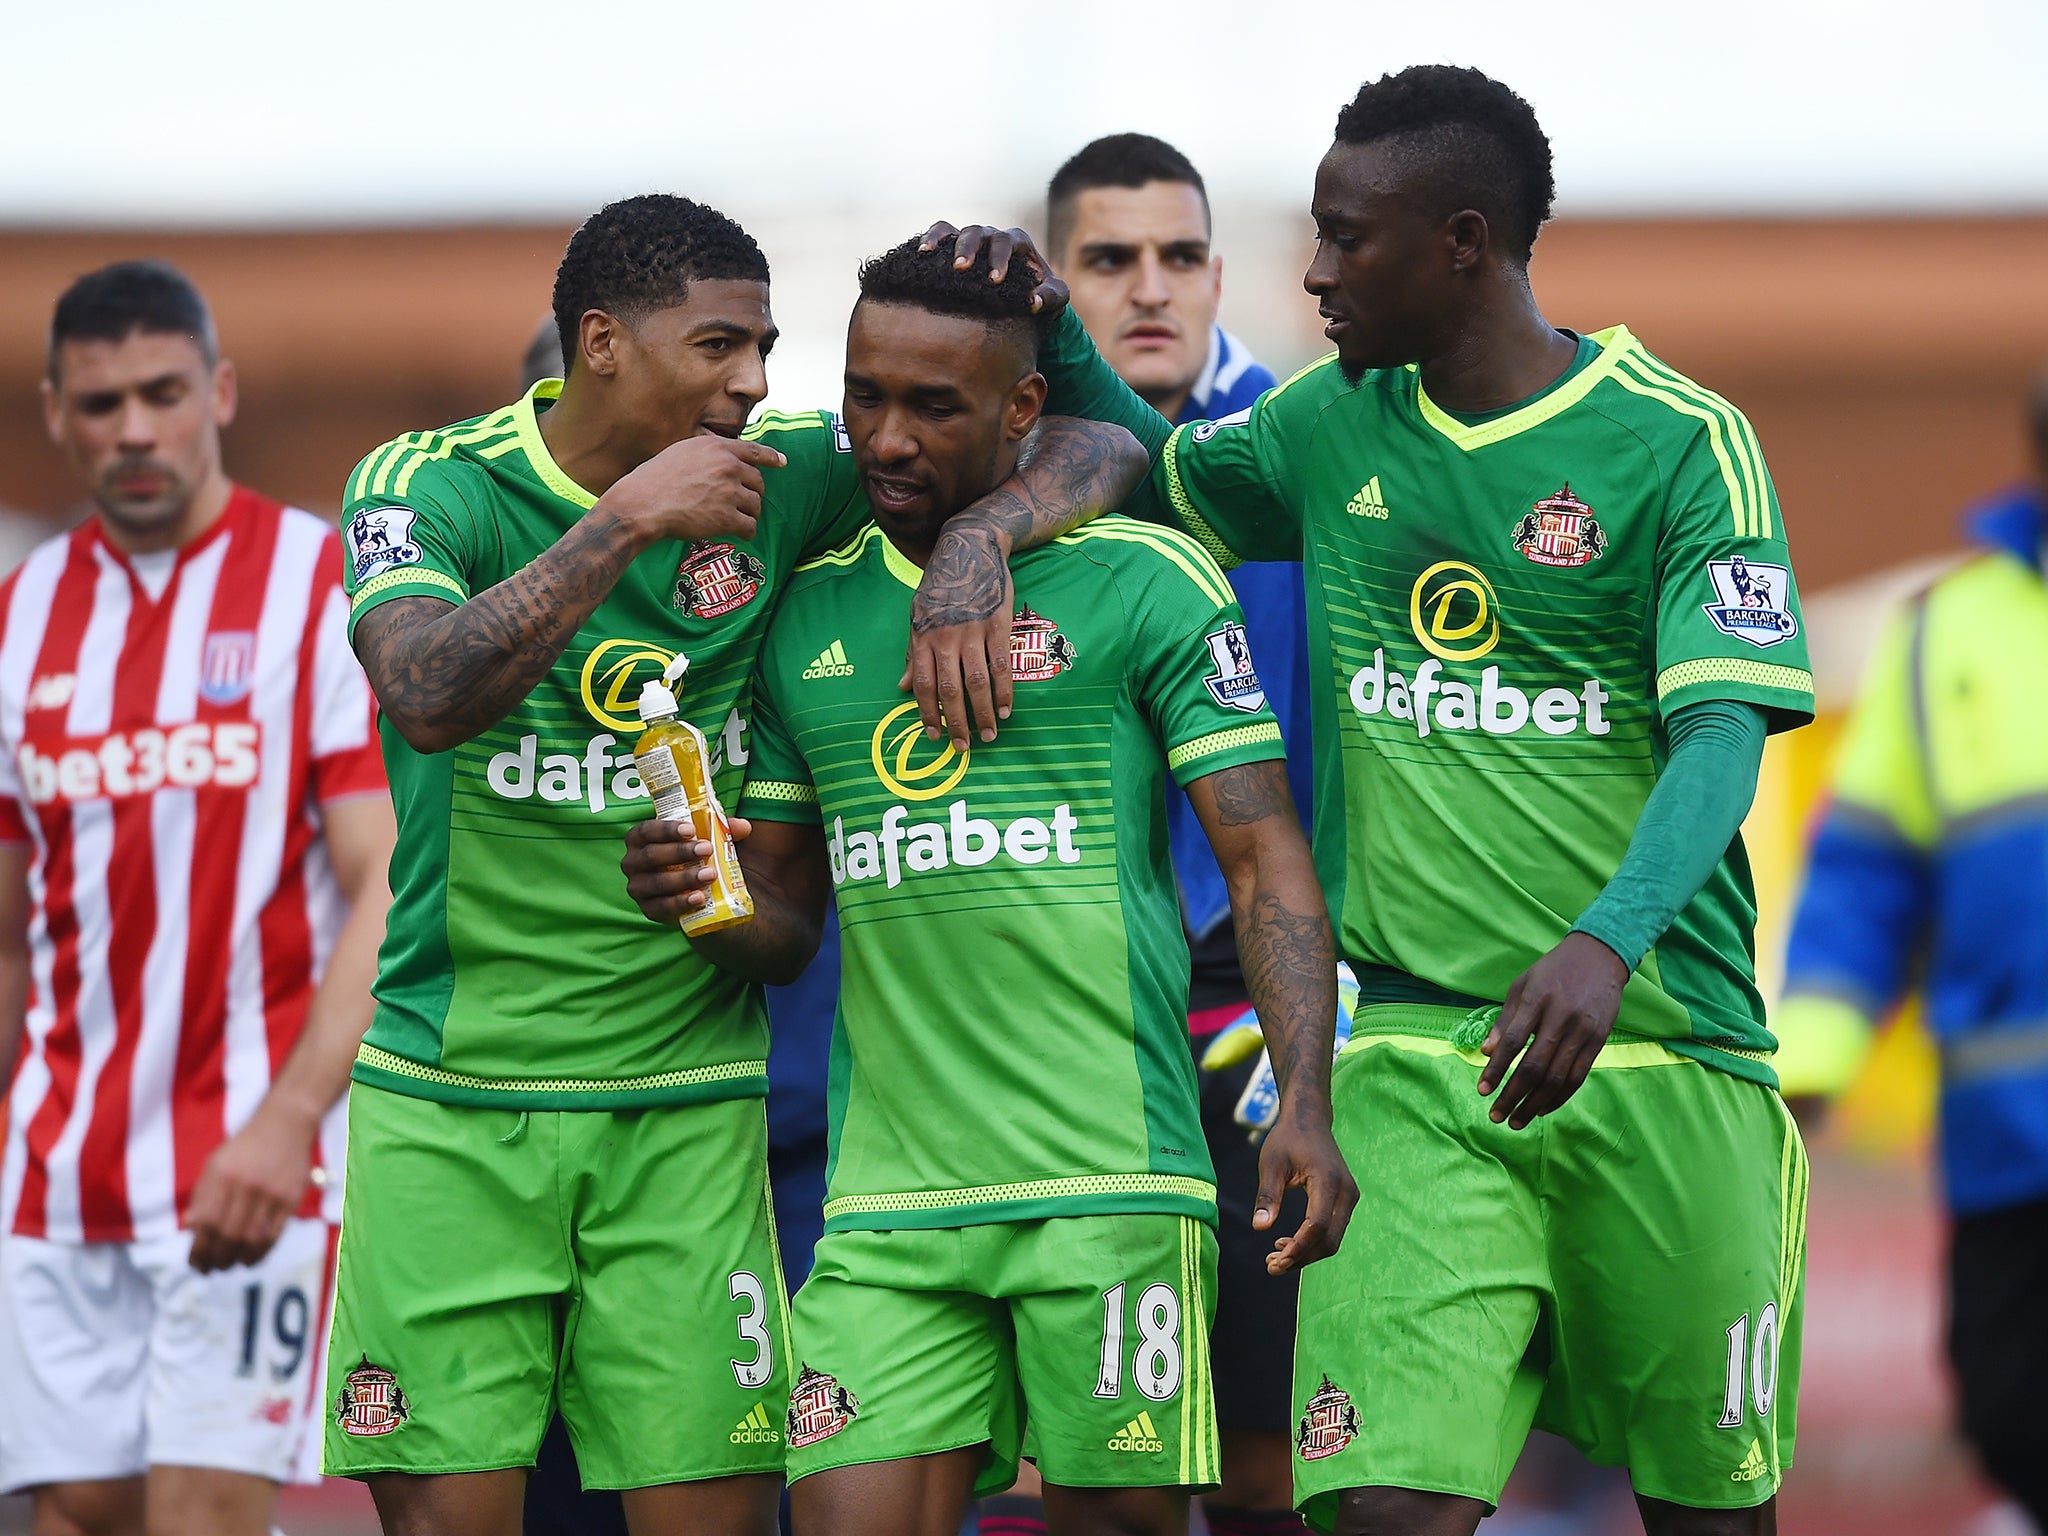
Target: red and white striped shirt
x,y
167,758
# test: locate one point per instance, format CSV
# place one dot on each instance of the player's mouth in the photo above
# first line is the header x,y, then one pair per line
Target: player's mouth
x,y
1151,336
1335,323
726,429
891,493
139,484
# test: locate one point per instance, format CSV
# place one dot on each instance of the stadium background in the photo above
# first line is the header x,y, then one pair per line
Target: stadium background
x,y
1835,214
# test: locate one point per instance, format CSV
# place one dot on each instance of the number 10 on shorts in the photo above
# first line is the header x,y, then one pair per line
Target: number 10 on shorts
x,y
1754,1364
1155,1363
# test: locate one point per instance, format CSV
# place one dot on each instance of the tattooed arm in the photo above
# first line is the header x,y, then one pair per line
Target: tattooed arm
x,y
959,661
787,875
445,672
1290,967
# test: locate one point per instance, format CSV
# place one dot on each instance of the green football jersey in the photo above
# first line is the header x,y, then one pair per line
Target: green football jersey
x,y
1504,613
515,970
1011,1040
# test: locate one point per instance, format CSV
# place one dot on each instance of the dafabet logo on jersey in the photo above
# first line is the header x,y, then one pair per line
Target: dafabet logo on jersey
x,y
598,770
913,767
1456,617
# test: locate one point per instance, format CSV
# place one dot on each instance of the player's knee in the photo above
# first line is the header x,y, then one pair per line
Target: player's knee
x,y
1661,1519
1258,1471
112,1508
1406,1512
1118,1511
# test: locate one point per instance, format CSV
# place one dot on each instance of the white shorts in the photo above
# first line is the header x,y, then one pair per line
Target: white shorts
x,y
120,1356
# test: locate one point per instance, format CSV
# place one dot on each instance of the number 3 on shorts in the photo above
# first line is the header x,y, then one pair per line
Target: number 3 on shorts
x,y
753,1320
1155,1367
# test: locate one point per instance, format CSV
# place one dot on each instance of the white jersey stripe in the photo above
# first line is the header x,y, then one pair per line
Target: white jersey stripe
x,y
152,1162
268,811
341,694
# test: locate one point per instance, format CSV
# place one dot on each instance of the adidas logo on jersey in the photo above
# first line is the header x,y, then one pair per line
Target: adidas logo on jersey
x,y
1368,502
756,1428
1753,1465
1138,1435
831,662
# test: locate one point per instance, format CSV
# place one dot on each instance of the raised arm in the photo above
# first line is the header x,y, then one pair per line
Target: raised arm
x,y
444,672
958,665
1290,967
787,875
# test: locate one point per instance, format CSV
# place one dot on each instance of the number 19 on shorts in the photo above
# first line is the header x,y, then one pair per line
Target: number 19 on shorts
x,y
1155,1360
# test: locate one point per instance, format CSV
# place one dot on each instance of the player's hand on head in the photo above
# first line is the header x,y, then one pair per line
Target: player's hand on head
x,y
702,488
1562,1008
1004,247
668,868
958,665
1301,1152
250,1187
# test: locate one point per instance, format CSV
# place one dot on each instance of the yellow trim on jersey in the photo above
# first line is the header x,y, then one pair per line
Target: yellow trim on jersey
x,y
1325,361
1182,550
1222,741
1749,454
782,421
1725,669
1184,505
852,552
407,576
536,446
375,458
1728,448
1615,343
782,790
394,476
399,1066
1038,1189
900,565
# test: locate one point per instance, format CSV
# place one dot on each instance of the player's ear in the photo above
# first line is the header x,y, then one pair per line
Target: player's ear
x,y
1466,238
53,413
226,393
1022,410
599,338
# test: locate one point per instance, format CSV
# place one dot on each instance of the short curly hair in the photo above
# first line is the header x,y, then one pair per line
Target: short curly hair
x,y
928,280
1472,139
641,254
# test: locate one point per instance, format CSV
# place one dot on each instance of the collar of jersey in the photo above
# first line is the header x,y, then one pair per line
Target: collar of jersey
x,y
527,419
1615,341
898,564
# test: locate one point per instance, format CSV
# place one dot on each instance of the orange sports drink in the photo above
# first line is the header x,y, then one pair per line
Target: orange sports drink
x,y
675,765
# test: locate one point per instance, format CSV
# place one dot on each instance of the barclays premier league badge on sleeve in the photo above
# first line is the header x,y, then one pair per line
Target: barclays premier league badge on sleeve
x,y
1235,682
1752,601
380,539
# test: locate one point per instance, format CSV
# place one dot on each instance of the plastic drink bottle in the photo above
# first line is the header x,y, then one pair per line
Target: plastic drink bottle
x,y
675,765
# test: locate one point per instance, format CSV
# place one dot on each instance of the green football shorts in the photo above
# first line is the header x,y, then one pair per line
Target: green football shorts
x,y
619,1264
1081,1342
1627,1273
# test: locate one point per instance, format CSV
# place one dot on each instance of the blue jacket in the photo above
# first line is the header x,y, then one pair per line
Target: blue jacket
x,y
1276,628
1930,867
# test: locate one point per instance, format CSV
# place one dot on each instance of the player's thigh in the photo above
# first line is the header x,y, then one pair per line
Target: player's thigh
x,y
911,1496
675,1363
75,1324
1116,1511
207,1501
231,1367
894,1360
1112,1316
449,1504
1676,1205
454,1265
104,1507
720,1506
1413,1365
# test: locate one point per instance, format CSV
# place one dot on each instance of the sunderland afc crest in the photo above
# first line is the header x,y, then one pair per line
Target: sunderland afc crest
x,y
1037,648
1560,530
371,1401
1328,1424
714,579
818,1408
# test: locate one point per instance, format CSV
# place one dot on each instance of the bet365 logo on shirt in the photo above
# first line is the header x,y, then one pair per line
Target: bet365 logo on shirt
x,y
1454,613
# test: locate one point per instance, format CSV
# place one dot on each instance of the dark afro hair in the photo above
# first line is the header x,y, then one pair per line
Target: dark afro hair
x,y
1475,142
640,255
115,302
928,280
1119,160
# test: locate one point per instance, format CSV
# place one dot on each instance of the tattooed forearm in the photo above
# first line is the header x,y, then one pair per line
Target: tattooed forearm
x,y
1075,471
1250,793
444,673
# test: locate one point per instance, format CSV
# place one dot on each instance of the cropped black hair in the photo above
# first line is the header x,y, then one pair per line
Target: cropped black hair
x,y
641,254
115,302
1118,160
1473,139
928,280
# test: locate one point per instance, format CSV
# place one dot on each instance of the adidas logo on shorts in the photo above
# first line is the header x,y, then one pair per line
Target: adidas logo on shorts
x,y
1753,1465
1138,1435
831,662
756,1428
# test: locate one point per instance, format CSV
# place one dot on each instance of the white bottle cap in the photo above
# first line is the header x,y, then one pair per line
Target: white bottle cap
x,y
655,701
